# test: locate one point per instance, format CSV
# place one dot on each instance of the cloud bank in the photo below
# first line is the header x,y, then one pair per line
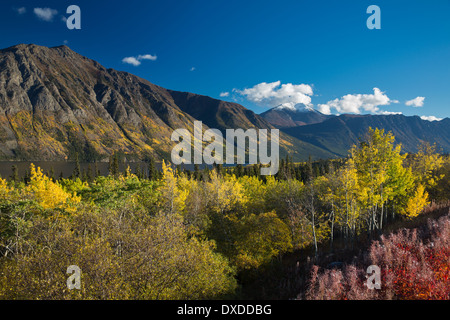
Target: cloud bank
x,y
294,96
358,103
276,94
430,118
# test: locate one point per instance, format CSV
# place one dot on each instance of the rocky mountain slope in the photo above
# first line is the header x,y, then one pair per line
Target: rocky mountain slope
x,y
55,103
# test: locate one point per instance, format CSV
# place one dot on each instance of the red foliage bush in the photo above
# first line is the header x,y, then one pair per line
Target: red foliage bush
x,y
415,265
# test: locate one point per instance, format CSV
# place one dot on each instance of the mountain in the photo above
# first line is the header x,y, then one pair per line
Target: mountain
x,y
224,115
300,115
55,104
338,134
216,113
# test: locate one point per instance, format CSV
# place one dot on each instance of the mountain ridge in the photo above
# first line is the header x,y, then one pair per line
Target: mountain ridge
x,y
339,133
56,104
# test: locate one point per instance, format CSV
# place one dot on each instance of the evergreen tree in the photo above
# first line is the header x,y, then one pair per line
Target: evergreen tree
x,y
96,170
52,174
137,171
206,171
77,171
196,172
15,174
89,176
239,171
116,165
220,170
152,172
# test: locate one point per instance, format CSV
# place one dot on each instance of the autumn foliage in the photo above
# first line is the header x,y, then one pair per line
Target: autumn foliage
x,y
415,265
207,234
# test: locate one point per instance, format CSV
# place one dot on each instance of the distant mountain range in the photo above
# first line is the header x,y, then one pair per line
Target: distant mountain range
x,y
285,117
55,103
338,134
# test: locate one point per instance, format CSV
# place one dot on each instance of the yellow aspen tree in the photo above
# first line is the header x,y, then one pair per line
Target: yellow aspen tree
x,y
48,194
416,204
172,197
351,193
224,192
4,189
375,158
425,163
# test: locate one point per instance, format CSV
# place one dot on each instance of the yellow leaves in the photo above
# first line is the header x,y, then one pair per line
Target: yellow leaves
x,y
48,194
253,191
225,192
173,198
259,238
121,254
4,189
417,203
425,164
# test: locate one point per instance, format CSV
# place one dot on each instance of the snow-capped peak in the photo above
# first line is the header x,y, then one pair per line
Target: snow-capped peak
x,y
300,107
304,108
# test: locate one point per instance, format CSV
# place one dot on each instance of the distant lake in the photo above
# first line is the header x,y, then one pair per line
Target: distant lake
x,y
65,168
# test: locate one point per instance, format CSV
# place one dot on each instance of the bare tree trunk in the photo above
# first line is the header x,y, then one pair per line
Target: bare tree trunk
x,y
346,219
382,207
313,217
332,227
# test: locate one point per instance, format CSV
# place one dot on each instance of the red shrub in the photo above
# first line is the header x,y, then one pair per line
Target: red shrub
x,y
415,264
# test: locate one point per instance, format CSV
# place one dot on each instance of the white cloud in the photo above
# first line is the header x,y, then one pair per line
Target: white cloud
x,y
136,61
430,118
131,60
224,94
192,69
147,57
21,10
275,94
388,113
45,14
287,105
323,108
417,102
357,103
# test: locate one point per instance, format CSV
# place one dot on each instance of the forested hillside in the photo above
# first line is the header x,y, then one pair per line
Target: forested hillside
x,y
208,233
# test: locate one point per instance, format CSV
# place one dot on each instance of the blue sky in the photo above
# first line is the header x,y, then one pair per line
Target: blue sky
x,y
261,53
